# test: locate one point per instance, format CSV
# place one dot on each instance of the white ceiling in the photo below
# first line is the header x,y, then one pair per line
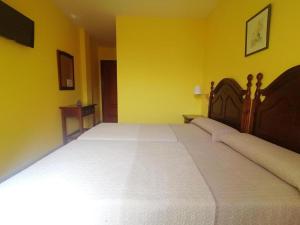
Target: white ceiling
x,y
98,16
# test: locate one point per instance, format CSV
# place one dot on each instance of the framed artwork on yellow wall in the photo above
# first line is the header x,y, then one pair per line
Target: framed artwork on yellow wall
x,y
258,31
65,64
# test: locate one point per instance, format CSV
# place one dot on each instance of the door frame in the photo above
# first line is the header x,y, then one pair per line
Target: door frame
x,y
101,91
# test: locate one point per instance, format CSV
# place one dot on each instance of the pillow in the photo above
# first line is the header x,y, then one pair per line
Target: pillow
x,y
279,161
215,128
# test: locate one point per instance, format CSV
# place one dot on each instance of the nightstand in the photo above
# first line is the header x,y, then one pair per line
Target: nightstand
x,y
189,118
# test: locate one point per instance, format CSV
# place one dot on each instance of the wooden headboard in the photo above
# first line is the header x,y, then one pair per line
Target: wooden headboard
x,y
230,104
276,118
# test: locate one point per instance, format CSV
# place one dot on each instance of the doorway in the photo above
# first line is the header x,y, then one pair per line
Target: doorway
x,y
109,91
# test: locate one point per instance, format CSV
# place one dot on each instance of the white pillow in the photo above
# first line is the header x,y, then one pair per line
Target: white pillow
x,y
279,161
215,128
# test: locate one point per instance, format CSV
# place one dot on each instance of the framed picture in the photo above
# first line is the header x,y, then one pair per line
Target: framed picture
x,y
258,31
65,63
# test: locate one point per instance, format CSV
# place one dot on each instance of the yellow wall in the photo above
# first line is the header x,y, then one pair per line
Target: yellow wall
x,y
226,40
159,63
85,67
106,53
90,72
29,94
95,77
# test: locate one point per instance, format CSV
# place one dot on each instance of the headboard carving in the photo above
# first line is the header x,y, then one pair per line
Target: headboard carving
x,y
230,104
276,118
256,100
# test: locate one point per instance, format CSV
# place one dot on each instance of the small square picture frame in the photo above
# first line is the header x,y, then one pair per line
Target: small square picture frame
x,y
258,31
65,63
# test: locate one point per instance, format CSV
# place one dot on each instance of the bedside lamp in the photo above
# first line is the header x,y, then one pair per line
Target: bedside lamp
x,y
197,90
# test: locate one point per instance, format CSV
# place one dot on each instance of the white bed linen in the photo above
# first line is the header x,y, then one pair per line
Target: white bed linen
x,y
130,132
215,128
245,193
113,183
280,161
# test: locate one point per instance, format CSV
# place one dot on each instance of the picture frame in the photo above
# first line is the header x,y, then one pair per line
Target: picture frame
x,y
258,31
65,63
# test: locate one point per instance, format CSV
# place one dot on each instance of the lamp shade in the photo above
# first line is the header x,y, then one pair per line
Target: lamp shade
x,y
197,90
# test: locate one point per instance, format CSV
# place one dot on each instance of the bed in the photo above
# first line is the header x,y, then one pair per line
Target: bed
x,y
209,176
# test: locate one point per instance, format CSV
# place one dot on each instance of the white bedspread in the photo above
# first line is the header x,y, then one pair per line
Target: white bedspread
x,y
130,132
113,183
245,193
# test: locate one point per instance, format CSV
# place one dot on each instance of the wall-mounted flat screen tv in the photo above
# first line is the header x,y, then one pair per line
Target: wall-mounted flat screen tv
x,y
16,26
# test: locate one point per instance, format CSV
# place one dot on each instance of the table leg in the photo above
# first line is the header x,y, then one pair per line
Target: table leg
x,y
80,118
94,119
64,127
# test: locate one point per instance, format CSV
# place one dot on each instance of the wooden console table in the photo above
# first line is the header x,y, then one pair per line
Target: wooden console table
x,y
78,112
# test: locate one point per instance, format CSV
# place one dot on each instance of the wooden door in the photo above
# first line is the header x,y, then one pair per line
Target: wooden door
x,y
109,91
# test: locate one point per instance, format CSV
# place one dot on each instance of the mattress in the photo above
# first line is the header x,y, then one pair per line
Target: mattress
x,y
245,193
113,183
192,181
130,132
